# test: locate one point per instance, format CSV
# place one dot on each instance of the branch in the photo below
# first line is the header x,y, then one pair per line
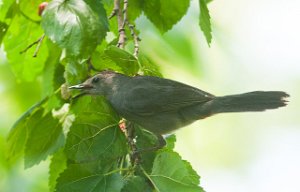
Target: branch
x,y
28,18
125,6
136,40
129,131
115,9
121,23
39,42
38,46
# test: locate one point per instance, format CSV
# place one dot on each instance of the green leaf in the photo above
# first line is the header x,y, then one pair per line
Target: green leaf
x,y
165,14
134,9
146,140
44,138
18,134
171,173
171,140
136,184
204,21
20,35
94,134
148,67
116,59
3,29
51,64
76,70
5,165
57,166
75,25
52,76
30,9
88,177
58,78
4,8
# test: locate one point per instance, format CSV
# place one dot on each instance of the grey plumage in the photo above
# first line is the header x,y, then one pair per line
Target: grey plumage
x,y
162,105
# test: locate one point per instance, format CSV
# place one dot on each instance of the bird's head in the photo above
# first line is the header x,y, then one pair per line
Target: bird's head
x,y
102,83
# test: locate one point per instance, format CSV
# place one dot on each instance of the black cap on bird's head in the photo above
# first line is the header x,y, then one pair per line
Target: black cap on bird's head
x,y
98,84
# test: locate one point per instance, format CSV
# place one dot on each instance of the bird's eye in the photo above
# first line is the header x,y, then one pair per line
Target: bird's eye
x,y
95,80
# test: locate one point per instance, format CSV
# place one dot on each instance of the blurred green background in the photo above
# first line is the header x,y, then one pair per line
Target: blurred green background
x,y
255,47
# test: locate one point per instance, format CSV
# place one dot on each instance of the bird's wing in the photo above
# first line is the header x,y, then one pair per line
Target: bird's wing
x,y
150,95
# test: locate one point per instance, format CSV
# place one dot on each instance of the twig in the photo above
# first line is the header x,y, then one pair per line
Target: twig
x,y
121,24
136,40
115,9
38,46
28,18
32,44
125,6
130,135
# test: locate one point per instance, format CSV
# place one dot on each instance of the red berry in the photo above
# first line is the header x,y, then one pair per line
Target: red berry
x,y
42,6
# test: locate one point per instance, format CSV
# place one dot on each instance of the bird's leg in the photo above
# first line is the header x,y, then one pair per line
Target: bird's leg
x,y
135,157
128,129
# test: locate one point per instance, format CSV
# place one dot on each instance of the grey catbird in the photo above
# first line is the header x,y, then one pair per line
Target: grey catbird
x,y
162,105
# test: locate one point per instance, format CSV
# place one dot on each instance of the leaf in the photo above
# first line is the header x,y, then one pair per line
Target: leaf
x,y
4,8
30,9
136,184
44,138
148,67
3,29
204,21
134,10
171,173
171,140
87,177
57,166
75,25
95,133
75,70
52,76
5,165
18,134
51,64
146,140
165,14
21,33
116,59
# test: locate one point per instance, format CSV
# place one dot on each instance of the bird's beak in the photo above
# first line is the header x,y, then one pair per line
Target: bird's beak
x,y
81,86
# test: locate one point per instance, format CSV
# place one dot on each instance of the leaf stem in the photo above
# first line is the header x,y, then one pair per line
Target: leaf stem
x,y
115,9
38,46
146,174
130,135
39,41
116,170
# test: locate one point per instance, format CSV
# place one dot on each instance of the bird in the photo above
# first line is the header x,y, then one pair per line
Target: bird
x,y
162,106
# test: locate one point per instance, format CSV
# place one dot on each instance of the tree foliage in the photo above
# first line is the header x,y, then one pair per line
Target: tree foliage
x,y
81,137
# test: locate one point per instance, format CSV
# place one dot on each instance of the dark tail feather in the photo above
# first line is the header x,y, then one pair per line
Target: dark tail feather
x,y
252,101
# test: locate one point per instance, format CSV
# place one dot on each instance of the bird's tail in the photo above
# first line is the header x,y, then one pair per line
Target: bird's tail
x,y
252,101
